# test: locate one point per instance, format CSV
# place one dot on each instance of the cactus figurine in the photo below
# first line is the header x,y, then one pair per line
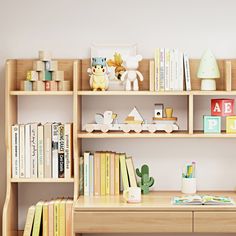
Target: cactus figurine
x,y
146,181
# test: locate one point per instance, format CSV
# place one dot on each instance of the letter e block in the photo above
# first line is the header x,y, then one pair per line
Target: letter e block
x,y
222,107
231,124
212,124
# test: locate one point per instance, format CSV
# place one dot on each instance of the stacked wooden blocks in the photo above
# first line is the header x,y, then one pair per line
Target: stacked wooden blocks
x,y
45,76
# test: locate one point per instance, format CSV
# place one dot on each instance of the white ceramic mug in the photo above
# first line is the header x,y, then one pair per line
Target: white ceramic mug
x,y
189,185
132,195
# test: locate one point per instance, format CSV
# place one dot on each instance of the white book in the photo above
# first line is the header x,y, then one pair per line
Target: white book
x,y
22,151
34,150
162,70
172,70
151,75
68,150
176,70
47,135
181,72
157,69
91,175
40,152
27,151
55,137
167,69
15,152
187,72
86,173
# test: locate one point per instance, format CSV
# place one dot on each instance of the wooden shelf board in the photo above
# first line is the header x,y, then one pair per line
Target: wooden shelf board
x,y
40,93
46,180
154,201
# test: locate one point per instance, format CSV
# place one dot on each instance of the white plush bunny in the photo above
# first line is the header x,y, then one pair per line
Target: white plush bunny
x,y
131,74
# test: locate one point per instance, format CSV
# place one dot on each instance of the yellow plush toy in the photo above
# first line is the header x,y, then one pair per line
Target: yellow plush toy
x,y
98,74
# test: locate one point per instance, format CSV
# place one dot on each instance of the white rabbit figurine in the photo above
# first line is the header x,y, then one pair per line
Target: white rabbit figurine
x,y
131,74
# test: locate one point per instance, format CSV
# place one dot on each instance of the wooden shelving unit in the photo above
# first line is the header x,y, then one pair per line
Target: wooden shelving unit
x,y
91,213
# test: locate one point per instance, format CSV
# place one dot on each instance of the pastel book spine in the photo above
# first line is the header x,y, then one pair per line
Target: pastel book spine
x,y
38,219
117,174
69,205
187,72
151,75
40,152
91,175
86,173
22,151
97,174
124,172
112,173
131,172
48,150
61,148
172,70
108,174
68,150
27,151
162,70
29,221
57,218
34,150
176,71
63,218
81,175
55,136
45,219
157,69
15,152
181,72
51,218
103,173
167,69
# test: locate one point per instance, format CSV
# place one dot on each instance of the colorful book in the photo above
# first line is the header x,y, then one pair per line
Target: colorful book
x,y
61,147
103,173
27,151
69,205
68,150
112,173
48,150
34,149
187,72
22,151
62,218
40,152
57,218
15,152
81,175
131,172
37,219
55,137
117,174
108,173
86,173
91,175
45,219
97,174
124,171
51,218
29,221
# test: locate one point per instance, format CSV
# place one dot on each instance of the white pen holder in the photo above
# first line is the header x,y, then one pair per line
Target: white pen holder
x,y
189,185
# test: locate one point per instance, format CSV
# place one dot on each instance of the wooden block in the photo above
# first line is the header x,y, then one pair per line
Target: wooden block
x,y
50,86
64,85
45,75
51,65
45,56
228,75
38,86
212,124
58,75
26,85
222,107
38,65
32,75
231,124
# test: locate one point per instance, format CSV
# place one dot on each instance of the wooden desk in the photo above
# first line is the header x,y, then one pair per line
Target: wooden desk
x,y
110,214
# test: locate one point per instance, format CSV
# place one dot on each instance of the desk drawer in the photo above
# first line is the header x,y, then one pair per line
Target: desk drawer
x,y
126,222
215,222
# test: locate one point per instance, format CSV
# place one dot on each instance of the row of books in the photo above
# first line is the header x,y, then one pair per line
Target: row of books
x,y
49,218
171,69
106,173
42,150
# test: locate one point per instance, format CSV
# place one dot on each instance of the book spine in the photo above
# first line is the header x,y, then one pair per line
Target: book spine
x,y
47,150
69,213
81,175
62,218
55,155
29,221
112,174
15,152
45,219
34,150
167,69
117,174
61,147
37,219
151,75
124,172
91,175
176,71
68,150
157,70
181,72
187,72
103,173
162,70
57,218
86,174
172,70
22,151
108,173
131,172
97,174
27,151
40,152
51,218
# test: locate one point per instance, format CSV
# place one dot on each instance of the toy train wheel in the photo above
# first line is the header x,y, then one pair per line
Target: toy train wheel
x,y
152,128
168,129
89,128
126,128
104,128
138,129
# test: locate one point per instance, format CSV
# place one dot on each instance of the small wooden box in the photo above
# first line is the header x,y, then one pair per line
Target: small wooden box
x,y
45,75
26,85
58,75
32,75
50,86
38,86
45,56
38,66
51,65
64,85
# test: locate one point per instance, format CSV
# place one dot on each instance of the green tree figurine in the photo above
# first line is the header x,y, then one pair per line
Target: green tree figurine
x,y
146,181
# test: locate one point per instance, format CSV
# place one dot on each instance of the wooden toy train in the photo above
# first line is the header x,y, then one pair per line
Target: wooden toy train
x,y
134,122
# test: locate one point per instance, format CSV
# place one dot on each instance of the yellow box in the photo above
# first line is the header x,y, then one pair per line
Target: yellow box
x,y
231,124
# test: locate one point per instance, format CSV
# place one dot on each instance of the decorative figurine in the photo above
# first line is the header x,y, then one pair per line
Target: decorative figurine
x,y
146,181
98,74
130,76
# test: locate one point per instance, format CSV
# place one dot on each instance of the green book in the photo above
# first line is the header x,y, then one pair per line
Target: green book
x,y
123,169
37,219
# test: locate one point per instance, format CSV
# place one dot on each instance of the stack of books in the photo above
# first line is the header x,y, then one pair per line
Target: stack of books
x,y
42,151
49,218
171,69
106,173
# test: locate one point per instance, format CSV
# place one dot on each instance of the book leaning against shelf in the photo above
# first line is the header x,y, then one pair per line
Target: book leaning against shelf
x,y
42,150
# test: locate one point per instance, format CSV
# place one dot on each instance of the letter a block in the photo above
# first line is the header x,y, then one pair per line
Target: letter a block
x,y
222,107
212,124
231,124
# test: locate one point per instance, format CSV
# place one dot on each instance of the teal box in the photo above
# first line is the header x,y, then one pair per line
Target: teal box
x,y
212,124
48,75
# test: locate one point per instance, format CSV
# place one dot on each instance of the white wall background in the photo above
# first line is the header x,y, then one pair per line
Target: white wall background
x,y
68,27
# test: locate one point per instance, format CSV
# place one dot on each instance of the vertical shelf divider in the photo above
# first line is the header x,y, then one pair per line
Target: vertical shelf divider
x,y
228,75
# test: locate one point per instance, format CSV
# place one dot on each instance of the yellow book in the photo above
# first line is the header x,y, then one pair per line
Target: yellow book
x,y
51,218
57,218
117,174
62,218
123,169
37,219
103,173
131,172
45,219
108,173
29,221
